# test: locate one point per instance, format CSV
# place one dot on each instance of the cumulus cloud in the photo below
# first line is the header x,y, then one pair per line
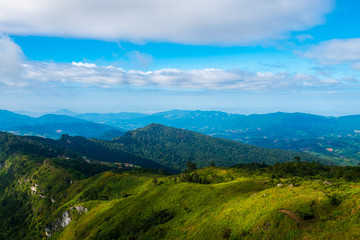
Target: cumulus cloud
x,y
81,64
225,22
11,58
336,51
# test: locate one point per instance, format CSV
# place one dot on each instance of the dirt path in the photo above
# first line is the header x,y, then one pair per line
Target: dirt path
x,y
292,215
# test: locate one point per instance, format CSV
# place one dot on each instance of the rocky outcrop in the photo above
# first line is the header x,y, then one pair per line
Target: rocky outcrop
x,y
34,189
80,209
63,221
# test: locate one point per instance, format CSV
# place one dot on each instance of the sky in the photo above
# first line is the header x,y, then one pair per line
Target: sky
x,y
239,56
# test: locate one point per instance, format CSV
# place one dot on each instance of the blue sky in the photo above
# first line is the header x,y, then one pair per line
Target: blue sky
x,y
243,56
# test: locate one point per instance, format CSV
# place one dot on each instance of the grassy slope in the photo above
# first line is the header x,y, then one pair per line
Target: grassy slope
x,y
237,208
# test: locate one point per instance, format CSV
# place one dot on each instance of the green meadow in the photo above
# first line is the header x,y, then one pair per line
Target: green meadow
x,y
131,206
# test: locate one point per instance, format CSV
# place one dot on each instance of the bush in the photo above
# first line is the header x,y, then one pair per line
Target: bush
x,y
226,233
335,199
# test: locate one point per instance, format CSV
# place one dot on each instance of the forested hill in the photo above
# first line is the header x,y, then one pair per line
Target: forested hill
x,y
154,146
173,147
79,150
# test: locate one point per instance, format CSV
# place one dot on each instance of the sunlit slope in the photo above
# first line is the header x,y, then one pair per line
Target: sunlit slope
x,y
132,206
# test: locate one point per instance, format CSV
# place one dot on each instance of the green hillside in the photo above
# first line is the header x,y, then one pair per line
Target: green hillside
x,y
47,196
235,203
241,208
31,188
50,190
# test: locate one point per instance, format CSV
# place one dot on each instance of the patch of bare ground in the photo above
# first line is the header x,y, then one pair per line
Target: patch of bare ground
x,y
304,224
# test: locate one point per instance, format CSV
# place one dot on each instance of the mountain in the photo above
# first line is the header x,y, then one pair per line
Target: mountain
x,y
174,147
56,129
54,118
103,152
266,130
9,119
51,125
79,188
70,147
238,126
333,138
65,112
110,118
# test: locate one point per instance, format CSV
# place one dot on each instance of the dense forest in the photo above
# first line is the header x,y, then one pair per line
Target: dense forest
x,y
174,147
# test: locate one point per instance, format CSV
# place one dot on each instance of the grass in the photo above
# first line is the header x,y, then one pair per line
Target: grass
x,y
238,208
232,203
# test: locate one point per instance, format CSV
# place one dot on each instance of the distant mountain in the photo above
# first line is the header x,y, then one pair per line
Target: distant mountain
x,y
65,112
291,125
173,147
110,118
274,130
266,130
53,118
51,125
9,119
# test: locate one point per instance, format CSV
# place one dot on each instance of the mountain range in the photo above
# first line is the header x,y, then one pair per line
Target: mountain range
x,y
53,126
334,138
80,188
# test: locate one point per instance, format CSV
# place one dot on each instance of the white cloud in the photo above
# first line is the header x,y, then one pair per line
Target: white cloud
x,y
225,22
336,51
107,77
81,64
10,62
17,72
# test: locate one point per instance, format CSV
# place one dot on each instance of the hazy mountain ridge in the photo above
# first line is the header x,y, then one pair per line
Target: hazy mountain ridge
x,y
289,131
51,125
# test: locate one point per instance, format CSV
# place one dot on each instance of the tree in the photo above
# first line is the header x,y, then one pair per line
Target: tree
x,y
190,166
155,180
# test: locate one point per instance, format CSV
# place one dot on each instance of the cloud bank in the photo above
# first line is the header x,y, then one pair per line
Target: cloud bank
x,y
109,76
225,22
16,71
